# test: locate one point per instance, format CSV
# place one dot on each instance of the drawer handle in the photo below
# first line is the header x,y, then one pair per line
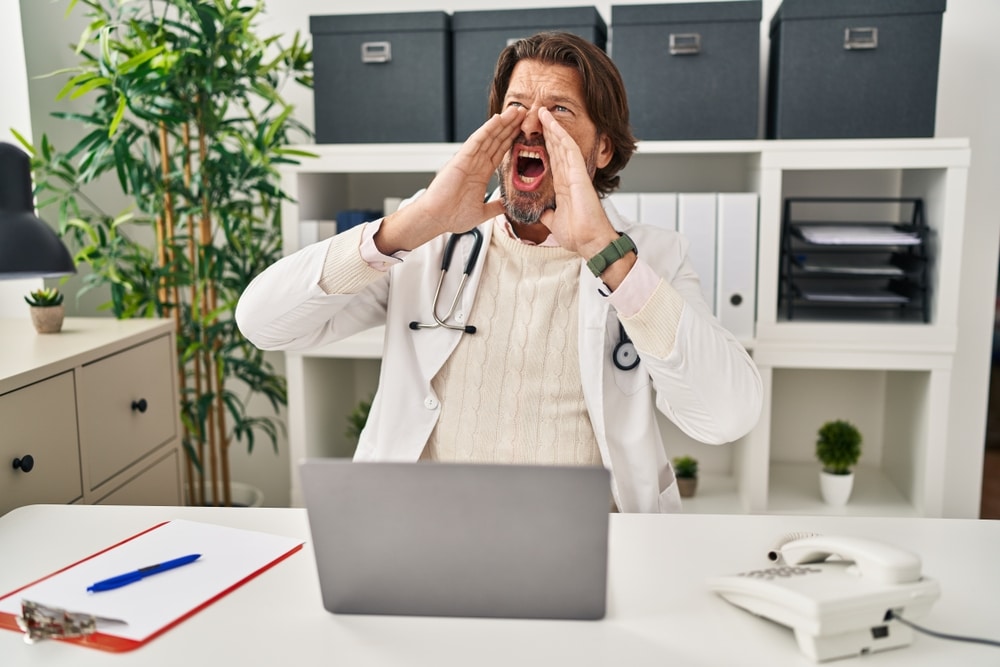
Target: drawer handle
x,y
25,463
376,52
860,38
685,43
140,405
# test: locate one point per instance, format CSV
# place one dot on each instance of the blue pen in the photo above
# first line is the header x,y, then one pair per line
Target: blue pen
x,y
141,573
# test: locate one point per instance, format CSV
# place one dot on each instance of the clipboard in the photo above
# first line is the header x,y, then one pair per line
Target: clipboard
x,y
230,557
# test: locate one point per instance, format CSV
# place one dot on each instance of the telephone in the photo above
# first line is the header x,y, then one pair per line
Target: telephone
x,y
836,593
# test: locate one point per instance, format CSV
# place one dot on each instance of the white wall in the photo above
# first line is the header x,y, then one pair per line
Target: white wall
x,y
14,113
968,106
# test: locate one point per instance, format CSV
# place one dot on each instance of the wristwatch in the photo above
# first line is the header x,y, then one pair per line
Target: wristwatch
x,y
614,251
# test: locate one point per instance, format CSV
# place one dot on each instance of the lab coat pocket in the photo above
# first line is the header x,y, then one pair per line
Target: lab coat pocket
x,y
670,499
631,382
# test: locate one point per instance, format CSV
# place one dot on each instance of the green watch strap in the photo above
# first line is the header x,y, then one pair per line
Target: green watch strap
x,y
614,251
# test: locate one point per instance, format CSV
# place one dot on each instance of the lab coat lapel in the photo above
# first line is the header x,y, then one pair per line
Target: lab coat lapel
x,y
434,346
593,325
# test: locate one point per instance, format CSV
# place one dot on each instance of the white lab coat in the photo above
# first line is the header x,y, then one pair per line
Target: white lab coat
x,y
707,385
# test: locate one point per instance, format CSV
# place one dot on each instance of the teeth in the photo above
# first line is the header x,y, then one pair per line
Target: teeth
x,y
530,154
527,180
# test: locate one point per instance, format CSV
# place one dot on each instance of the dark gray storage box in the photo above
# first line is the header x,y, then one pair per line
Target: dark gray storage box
x,y
382,77
854,68
691,70
480,36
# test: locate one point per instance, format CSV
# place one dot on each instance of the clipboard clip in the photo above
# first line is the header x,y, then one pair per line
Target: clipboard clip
x,y
40,622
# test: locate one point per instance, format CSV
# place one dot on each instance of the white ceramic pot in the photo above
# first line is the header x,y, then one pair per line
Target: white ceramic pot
x,y
835,489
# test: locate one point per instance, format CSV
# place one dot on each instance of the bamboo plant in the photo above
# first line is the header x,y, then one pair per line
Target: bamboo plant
x,y
188,117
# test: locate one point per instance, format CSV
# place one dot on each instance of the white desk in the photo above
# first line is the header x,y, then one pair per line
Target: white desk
x,y
659,612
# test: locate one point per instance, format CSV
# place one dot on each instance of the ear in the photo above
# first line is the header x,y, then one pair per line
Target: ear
x,y
605,151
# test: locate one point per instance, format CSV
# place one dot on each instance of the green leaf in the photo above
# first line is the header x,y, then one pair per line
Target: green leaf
x,y
139,59
119,114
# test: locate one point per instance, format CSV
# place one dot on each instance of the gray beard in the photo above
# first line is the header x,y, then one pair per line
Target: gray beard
x,y
529,208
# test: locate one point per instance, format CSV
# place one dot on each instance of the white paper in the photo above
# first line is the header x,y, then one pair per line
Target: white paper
x,y
228,556
857,235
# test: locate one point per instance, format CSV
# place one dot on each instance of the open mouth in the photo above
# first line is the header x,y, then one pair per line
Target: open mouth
x,y
530,166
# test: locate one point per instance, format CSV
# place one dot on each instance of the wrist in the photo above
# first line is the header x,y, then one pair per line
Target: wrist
x,y
614,251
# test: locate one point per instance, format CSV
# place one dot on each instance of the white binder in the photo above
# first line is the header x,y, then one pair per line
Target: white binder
x,y
696,220
736,296
658,209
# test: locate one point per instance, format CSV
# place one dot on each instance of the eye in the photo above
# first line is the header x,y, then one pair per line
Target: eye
x,y
514,103
560,108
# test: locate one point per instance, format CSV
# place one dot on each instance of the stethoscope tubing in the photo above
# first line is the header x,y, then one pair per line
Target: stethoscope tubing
x,y
624,355
470,264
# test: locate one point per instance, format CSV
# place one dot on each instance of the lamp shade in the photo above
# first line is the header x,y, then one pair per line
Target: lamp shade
x,y
29,248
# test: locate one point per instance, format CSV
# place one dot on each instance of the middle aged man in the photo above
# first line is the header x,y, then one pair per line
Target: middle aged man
x,y
573,325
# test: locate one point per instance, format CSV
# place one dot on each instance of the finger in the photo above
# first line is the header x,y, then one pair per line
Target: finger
x,y
501,130
563,152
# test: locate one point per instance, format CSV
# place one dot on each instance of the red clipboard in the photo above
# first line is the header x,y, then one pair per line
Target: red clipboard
x,y
230,558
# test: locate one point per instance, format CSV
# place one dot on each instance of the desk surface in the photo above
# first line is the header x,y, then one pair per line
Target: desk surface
x,y
659,610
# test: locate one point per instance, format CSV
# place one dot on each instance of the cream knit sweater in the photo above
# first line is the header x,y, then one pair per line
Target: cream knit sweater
x,y
511,392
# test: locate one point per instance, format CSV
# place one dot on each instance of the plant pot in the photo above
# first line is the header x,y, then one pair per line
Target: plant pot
x,y
48,319
242,495
687,486
835,489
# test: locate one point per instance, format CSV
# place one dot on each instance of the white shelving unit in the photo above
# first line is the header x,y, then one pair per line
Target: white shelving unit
x,y
894,379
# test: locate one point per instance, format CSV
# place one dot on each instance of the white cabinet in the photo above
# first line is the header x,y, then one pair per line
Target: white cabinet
x,y
892,378
90,414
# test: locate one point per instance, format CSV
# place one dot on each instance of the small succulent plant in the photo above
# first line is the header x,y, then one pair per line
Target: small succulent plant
x,y
44,297
685,467
838,446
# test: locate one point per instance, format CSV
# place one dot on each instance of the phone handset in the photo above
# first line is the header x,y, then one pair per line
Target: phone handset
x,y
876,561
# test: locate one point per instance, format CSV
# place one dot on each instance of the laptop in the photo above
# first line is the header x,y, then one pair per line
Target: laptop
x,y
457,539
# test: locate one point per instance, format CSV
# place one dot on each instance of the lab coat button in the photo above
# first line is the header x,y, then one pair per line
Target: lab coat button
x,y
460,316
430,403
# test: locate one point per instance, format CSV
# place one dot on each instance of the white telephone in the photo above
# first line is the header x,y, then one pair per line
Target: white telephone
x,y
836,594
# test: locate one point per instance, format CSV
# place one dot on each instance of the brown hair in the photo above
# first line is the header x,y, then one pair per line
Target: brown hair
x,y
603,91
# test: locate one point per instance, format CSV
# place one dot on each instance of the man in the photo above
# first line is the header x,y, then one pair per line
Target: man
x,y
535,360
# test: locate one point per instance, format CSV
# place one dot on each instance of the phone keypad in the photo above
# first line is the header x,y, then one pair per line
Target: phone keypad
x,y
782,572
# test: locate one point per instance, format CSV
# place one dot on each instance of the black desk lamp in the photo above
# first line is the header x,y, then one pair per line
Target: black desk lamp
x,y
29,248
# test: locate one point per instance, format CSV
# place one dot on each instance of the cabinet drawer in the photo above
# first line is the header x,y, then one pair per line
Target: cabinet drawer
x,y
128,407
39,421
157,484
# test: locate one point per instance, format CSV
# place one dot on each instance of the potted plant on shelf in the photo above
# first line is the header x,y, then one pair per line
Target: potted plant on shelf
x,y
838,448
47,310
357,419
686,472
188,120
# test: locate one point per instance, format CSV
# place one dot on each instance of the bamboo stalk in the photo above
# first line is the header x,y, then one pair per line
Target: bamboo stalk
x,y
216,416
165,244
197,490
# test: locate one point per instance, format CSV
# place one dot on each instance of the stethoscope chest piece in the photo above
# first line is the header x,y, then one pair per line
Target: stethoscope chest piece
x,y
624,355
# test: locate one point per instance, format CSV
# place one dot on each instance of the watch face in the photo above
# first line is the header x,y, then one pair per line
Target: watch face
x,y
626,358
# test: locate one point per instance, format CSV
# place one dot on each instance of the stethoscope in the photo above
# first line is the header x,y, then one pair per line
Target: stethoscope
x,y
470,263
624,356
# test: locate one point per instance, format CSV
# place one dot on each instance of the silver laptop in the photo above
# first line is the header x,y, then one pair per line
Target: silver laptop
x,y
455,539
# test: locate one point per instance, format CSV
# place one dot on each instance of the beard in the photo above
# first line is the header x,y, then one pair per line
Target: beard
x,y
526,208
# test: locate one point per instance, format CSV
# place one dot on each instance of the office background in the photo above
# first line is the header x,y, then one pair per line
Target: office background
x,y
968,106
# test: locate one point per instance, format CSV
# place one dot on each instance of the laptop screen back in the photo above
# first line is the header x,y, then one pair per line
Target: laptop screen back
x,y
449,539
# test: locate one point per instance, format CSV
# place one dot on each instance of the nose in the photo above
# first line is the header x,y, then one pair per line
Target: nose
x,y
531,125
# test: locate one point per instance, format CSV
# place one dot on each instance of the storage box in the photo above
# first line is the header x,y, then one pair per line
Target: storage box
x,y
480,36
691,70
382,77
854,68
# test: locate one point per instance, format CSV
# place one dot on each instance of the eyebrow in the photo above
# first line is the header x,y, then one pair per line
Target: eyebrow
x,y
562,100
